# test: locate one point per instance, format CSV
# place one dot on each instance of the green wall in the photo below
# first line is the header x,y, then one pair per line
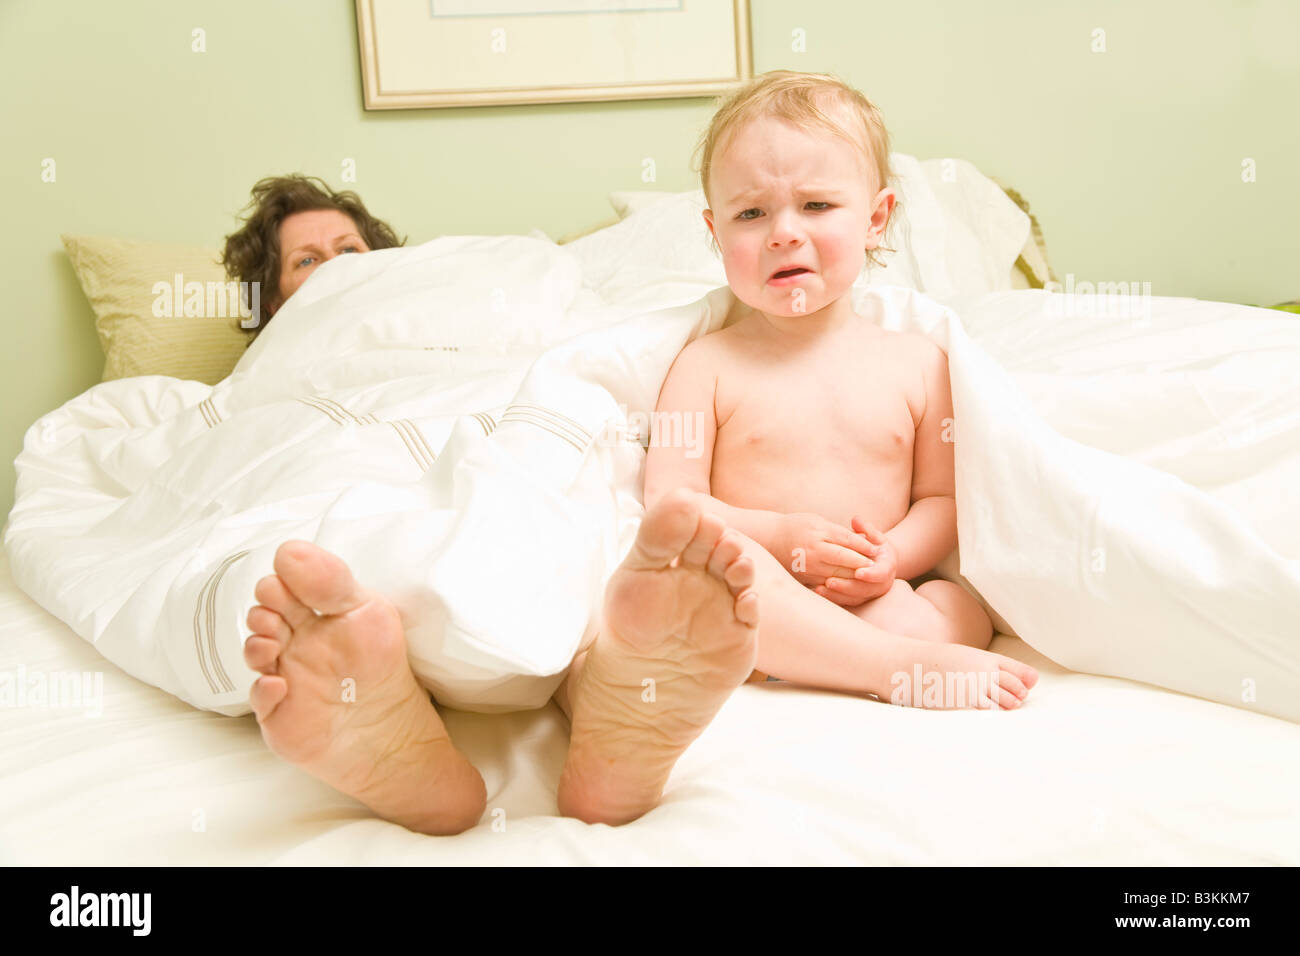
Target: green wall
x,y
1131,158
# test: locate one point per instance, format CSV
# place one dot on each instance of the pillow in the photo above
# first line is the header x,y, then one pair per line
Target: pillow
x,y
627,203
658,256
160,308
954,232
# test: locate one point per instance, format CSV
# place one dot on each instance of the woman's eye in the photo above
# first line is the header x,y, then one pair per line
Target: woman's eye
x,y
746,214
350,249
304,260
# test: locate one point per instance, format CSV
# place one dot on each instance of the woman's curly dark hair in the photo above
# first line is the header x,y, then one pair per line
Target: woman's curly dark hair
x,y
253,253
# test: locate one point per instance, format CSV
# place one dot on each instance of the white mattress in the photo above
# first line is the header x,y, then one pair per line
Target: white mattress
x,y
1092,770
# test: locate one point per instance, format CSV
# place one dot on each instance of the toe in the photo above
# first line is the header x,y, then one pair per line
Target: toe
x,y
317,579
746,608
261,653
267,623
1005,699
266,694
271,592
1008,681
739,575
1023,672
665,531
707,533
727,551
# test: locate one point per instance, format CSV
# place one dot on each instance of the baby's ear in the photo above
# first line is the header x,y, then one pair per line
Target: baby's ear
x,y
713,234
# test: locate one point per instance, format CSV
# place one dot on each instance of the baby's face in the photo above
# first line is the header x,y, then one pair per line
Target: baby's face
x,y
793,210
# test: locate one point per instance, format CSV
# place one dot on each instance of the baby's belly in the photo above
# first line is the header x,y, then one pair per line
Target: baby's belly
x,y
823,482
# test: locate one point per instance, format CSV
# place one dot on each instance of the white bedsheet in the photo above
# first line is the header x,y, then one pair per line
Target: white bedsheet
x,y
1091,771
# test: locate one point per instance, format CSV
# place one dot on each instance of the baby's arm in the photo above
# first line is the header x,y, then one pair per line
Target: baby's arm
x,y
689,392
928,532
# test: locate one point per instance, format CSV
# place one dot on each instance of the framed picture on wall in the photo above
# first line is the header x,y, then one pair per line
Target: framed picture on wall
x,y
417,54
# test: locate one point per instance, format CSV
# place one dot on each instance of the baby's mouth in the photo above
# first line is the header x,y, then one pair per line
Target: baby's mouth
x,y
786,273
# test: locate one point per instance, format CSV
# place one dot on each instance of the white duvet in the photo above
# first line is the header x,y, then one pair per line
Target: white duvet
x,y
452,419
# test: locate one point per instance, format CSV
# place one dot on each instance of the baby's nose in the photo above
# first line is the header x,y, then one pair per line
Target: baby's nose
x,y
785,229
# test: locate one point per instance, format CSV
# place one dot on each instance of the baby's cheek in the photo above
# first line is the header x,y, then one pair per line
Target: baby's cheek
x,y
739,262
850,259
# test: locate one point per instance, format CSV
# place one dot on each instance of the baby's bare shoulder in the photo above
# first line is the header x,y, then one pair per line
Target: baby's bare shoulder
x,y
700,361
709,350
917,351
922,368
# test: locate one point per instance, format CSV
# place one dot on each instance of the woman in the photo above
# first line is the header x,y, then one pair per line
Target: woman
x,y
294,224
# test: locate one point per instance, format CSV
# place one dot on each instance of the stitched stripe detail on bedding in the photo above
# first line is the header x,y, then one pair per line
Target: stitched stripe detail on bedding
x,y
415,442
205,614
209,412
339,413
550,420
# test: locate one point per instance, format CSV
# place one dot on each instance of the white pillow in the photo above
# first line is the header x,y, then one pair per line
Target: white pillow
x,y
659,256
954,232
961,233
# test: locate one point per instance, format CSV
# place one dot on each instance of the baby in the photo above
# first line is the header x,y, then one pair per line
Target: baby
x,y
827,440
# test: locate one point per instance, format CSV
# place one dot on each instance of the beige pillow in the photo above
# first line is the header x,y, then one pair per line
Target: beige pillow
x,y
1033,269
160,308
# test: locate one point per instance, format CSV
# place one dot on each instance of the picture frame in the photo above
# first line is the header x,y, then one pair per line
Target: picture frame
x,y
429,54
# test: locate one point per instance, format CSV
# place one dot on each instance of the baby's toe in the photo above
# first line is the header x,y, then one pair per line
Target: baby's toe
x,y
1026,674
1008,681
1004,698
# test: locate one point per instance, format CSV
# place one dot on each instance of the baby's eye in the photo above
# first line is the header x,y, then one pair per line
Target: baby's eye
x,y
818,205
746,214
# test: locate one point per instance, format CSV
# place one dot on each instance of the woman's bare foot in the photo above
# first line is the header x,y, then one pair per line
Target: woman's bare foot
x,y
338,699
679,635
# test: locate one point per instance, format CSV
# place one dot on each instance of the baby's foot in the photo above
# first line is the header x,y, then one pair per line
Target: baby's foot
x,y
679,635
952,676
338,699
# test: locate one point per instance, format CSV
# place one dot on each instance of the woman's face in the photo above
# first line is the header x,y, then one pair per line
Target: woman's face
x,y
309,238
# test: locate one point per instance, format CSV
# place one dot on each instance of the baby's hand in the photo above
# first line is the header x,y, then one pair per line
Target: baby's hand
x,y
867,583
814,549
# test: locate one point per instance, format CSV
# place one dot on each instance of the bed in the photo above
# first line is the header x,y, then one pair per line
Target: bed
x,y
1096,769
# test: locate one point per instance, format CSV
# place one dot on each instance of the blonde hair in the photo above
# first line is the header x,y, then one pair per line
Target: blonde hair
x,y
806,101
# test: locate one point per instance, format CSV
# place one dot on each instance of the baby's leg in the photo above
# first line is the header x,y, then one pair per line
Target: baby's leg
x,y
809,640
937,610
